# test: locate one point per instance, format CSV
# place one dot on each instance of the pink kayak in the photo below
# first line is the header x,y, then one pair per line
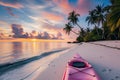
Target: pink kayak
x,y
79,69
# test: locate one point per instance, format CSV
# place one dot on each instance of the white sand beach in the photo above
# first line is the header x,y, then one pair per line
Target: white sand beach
x,y
105,61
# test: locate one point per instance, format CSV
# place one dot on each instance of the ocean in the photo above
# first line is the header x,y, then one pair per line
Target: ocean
x,y
14,51
15,55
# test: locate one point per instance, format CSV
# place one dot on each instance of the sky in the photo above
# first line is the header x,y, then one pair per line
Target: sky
x,y
44,15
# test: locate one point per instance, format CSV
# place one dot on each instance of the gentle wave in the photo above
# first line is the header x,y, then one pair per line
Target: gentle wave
x,y
10,66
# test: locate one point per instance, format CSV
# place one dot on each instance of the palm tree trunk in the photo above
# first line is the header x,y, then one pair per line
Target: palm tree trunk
x,y
74,32
97,31
103,32
78,26
119,33
115,36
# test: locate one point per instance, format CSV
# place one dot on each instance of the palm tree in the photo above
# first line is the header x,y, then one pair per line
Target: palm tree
x,y
99,11
100,15
68,29
82,32
73,18
91,19
88,30
114,16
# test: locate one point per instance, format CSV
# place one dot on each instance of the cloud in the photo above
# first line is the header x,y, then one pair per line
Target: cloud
x,y
12,5
34,18
56,30
45,15
52,36
17,30
45,35
37,19
3,22
81,6
59,35
52,16
63,5
51,28
34,33
45,25
10,12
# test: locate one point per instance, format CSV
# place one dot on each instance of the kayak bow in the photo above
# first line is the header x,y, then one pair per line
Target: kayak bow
x,y
79,69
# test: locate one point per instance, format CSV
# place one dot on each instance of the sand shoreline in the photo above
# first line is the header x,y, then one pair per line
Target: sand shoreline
x,y
105,61
99,56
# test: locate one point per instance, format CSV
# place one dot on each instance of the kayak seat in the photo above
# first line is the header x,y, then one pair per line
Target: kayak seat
x,y
79,64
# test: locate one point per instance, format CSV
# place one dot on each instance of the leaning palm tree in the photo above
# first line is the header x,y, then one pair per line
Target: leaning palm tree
x,y
73,18
68,28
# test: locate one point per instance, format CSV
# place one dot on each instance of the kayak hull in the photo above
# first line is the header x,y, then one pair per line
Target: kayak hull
x,y
75,73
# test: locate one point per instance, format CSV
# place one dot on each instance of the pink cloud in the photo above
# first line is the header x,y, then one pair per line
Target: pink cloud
x,y
55,30
13,5
63,4
51,28
51,16
81,7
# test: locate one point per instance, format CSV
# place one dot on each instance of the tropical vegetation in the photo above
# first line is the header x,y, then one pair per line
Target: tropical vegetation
x,y
105,19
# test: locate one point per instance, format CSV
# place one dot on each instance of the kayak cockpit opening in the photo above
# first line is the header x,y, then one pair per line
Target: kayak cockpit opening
x,y
78,64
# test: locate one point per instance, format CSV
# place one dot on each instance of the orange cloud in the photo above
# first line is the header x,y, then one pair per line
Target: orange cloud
x,y
2,22
53,17
15,5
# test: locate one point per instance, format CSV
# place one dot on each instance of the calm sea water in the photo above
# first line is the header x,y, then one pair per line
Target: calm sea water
x,y
14,51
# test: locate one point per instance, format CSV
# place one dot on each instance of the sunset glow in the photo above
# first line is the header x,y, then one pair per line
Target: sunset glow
x,y
44,17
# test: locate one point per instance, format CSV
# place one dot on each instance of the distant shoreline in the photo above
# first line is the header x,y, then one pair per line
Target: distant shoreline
x,y
30,40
